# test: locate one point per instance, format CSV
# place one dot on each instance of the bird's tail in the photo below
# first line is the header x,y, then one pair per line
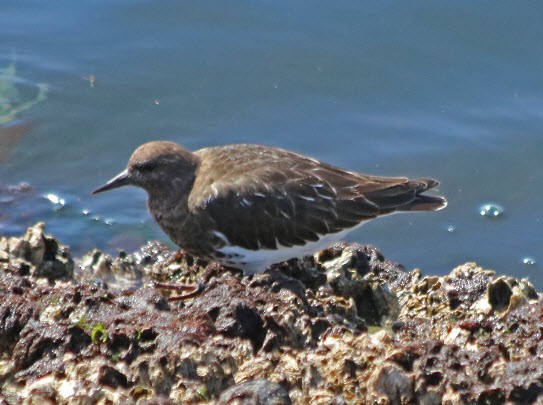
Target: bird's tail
x,y
424,202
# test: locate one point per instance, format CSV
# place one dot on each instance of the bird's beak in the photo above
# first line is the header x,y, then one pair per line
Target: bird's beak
x,y
119,180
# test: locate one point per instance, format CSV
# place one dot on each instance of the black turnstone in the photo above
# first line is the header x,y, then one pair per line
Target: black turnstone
x,y
250,206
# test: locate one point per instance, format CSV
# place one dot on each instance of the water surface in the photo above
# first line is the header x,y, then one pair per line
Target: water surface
x,y
451,91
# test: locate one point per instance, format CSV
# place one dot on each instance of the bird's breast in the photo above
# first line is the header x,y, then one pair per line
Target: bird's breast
x,y
184,228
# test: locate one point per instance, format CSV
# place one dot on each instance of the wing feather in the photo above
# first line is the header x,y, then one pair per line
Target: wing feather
x,y
269,197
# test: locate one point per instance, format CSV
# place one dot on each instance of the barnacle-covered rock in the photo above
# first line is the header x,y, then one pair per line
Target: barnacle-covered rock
x,y
297,333
507,293
37,254
467,292
348,272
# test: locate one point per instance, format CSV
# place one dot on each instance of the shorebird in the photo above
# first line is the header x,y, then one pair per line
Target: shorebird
x,y
250,206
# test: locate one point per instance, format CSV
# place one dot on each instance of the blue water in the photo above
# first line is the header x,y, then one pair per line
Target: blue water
x,y
451,91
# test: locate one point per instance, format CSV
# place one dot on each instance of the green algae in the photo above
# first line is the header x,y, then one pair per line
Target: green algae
x,y
12,101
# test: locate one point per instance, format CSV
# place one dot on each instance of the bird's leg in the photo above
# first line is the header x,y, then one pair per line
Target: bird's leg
x,y
194,289
213,269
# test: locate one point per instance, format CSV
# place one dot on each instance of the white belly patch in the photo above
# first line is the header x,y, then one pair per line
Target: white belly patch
x,y
256,261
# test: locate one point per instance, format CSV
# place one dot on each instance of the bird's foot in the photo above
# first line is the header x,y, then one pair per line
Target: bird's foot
x,y
215,269
194,289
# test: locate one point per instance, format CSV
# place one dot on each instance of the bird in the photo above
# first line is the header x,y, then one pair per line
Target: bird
x,y
251,206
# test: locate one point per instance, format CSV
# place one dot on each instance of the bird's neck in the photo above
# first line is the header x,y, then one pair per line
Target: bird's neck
x,y
167,198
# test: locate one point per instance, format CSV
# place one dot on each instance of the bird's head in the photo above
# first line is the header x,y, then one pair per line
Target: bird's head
x,y
159,167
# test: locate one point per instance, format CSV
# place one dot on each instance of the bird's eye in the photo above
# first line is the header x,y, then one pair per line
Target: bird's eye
x,y
146,166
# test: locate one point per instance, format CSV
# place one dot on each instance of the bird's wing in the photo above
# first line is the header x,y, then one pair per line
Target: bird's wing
x,y
257,203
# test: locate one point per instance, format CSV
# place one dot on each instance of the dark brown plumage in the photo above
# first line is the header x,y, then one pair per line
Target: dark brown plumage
x,y
249,206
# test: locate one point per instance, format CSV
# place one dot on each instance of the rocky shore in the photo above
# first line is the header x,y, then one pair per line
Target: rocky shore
x,y
344,327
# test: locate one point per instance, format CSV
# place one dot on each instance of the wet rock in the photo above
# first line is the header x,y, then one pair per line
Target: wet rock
x,y
111,377
257,392
393,385
15,313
